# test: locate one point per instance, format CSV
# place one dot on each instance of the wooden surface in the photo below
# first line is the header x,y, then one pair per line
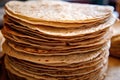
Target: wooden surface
x,y
113,69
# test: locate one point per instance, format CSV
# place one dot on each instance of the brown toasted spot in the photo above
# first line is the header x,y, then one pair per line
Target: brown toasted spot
x,y
67,44
39,60
46,60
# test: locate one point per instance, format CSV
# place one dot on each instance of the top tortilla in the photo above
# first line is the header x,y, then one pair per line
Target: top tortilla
x,y
57,11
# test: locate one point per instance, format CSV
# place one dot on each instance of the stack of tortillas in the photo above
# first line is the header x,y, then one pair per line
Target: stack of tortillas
x,y
55,40
115,44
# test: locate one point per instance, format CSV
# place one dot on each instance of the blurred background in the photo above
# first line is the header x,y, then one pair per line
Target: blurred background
x,y
114,3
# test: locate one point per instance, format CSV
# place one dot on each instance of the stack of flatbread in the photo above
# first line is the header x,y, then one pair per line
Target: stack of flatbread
x,y
56,40
115,44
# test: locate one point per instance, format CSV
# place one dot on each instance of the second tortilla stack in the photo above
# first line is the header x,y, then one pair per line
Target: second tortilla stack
x,y
56,40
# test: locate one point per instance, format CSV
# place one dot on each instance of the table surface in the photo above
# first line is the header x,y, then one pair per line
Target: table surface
x,y
113,69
